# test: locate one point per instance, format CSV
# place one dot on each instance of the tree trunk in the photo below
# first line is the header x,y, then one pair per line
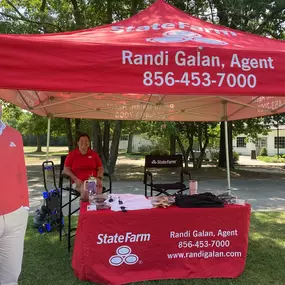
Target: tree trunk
x,y
222,12
185,153
106,139
97,138
77,131
134,7
203,138
109,18
222,154
114,147
69,134
130,143
78,16
230,135
172,145
200,159
39,145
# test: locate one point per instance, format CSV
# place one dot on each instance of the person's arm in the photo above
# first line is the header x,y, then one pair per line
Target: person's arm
x,y
23,174
100,172
67,170
99,165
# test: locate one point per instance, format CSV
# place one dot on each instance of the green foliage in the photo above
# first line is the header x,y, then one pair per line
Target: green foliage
x,y
251,128
11,114
263,152
235,156
215,156
271,159
160,146
145,149
32,124
160,151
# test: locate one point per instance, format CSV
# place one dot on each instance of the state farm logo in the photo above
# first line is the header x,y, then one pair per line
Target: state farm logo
x,y
178,36
124,255
163,161
124,238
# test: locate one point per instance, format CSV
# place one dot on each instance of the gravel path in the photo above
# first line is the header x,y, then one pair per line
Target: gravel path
x,y
262,194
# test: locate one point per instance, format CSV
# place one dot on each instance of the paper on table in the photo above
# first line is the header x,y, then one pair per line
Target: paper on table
x,y
129,202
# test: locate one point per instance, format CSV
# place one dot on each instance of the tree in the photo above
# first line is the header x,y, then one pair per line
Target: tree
x,y
108,155
133,127
194,133
33,124
259,17
190,136
11,113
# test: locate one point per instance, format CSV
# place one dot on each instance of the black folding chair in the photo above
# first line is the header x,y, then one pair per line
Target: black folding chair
x,y
65,184
159,169
73,195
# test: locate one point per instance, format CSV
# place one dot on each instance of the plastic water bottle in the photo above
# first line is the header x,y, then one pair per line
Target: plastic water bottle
x,y
91,188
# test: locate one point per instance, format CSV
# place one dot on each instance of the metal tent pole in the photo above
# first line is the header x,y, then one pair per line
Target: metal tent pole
x,y
48,139
227,147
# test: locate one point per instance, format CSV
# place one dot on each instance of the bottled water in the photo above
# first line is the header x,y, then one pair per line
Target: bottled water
x,y
92,190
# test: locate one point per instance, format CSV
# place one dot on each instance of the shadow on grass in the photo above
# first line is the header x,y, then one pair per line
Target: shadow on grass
x,y
47,262
136,172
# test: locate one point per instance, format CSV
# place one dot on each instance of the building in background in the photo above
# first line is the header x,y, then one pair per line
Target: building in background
x,y
138,141
274,143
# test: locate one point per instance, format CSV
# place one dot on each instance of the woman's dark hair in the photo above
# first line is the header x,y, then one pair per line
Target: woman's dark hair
x,y
83,135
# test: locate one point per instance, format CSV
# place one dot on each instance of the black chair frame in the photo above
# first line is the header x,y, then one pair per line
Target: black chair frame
x,y
159,162
73,195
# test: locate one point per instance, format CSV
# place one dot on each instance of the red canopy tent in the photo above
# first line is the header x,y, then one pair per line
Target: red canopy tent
x,y
160,64
155,65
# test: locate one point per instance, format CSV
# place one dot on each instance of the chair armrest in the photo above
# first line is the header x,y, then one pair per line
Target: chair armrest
x,y
62,177
65,176
146,175
188,173
105,174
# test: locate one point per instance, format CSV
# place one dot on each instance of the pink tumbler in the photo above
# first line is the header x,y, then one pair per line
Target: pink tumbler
x,y
193,187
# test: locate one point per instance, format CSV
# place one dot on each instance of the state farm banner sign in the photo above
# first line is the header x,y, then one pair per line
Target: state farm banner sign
x,y
117,248
202,70
161,50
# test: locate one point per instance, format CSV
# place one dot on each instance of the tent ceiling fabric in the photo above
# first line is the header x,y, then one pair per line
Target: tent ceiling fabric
x,y
161,64
153,107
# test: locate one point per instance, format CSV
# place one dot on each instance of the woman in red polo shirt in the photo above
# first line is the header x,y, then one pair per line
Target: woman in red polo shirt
x,y
82,163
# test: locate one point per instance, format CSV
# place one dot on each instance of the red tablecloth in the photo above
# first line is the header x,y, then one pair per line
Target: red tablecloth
x,y
117,248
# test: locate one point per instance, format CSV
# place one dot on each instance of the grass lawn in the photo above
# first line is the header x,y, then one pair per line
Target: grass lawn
x,y
33,157
47,262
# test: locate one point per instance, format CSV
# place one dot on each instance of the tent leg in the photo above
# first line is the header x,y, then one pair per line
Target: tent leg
x,y
227,157
48,139
225,119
